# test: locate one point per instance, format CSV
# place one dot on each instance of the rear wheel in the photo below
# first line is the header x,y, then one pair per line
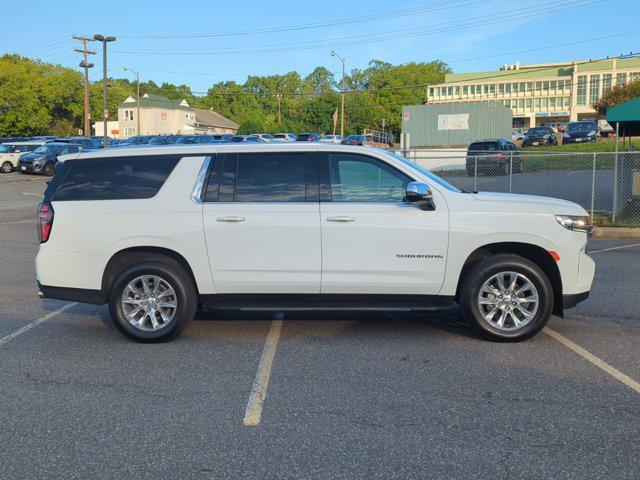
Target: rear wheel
x,y
506,297
6,167
152,301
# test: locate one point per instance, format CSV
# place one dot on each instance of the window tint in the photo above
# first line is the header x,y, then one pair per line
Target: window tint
x,y
356,178
264,177
483,146
114,178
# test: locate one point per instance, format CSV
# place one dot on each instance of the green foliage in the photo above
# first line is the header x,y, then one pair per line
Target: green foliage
x,y
38,98
617,95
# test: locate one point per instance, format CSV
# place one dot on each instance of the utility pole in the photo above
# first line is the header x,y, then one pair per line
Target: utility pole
x,y
279,96
86,65
137,74
105,111
343,60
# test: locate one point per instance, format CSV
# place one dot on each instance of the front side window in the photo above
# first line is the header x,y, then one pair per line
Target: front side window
x,y
264,177
357,178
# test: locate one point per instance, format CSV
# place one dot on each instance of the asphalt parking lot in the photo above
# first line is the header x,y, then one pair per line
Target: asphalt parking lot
x,y
313,396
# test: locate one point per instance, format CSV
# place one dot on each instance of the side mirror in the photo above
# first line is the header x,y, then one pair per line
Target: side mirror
x,y
420,194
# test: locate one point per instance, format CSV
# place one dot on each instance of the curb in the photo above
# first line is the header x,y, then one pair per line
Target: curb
x,y
620,233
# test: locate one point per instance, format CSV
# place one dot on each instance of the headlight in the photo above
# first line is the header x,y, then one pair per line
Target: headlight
x,y
592,133
578,223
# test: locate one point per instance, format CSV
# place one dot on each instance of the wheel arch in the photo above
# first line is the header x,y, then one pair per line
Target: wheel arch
x,y
534,253
128,256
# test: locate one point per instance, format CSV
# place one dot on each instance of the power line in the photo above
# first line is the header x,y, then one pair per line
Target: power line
x,y
428,8
377,37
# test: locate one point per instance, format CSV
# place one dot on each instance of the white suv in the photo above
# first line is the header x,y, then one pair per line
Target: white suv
x,y
159,233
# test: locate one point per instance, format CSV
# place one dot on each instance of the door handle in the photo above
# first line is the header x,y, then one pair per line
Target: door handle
x,y
230,219
341,218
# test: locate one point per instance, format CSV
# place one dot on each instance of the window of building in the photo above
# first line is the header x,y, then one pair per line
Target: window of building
x,y
523,86
508,88
515,88
465,90
473,89
521,104
529,87
545,103
450,91
621,78
486,89
457,91
582,89
528,104
634,76
606,82
545,87
552,103
501,88
554,85
594,93
567,102
492,89
538,86
431,91
538,103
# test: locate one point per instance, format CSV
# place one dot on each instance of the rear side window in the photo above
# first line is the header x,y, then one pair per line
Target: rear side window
x,y
121,178
483,146
264,177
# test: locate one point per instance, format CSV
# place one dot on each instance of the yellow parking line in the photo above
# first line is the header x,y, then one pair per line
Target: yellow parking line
x,y
258,394
35,323
601,364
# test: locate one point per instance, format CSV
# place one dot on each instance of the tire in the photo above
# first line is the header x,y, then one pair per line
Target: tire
x,y
487,324
6,167
181,292
49,170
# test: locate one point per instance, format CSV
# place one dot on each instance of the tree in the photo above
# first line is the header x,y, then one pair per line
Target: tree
x,y
619,94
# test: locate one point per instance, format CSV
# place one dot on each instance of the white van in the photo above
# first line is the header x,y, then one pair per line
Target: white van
x,y
159,233
10,153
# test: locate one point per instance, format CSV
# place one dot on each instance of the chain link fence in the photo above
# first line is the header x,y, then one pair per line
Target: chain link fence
x,y
606,184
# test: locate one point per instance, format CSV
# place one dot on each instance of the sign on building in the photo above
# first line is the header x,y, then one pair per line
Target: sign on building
x,y
458,121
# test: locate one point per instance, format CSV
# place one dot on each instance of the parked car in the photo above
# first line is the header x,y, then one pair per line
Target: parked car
x,y
11,152
581,132
246,138
357,139
43,159
517,135
163,140
493,156
331,138
308,137
540,136
87,143
136,140
223,137
264,136
287,137
15,139
509,261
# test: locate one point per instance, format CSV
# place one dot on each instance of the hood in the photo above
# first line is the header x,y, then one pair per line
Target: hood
x,y
555,205
30,157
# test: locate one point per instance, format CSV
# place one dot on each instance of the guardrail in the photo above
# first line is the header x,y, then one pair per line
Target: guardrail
x,y
606,184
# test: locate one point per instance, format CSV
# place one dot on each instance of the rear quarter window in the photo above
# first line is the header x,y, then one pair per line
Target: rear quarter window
x,y
121,178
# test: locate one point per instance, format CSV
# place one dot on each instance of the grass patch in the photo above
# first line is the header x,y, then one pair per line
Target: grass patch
x,y
602,146
629,217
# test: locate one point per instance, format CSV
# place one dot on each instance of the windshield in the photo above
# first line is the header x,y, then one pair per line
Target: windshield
x,y
577,126
45,149
5,148
538,131
425,172
186,139
483,146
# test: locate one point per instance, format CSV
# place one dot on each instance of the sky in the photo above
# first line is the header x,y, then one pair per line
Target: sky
x,y
199,43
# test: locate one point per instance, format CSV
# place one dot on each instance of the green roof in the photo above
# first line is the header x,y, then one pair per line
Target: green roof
x,y
625,112
532,72
150,100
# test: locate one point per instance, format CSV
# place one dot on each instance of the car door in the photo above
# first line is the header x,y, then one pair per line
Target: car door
x,y
262,222
373,242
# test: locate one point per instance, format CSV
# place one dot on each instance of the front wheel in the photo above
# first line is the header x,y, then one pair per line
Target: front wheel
x,y
506,297
6,167
152,301
48,170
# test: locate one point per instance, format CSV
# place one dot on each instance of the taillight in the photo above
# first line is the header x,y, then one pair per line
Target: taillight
x,y
45,221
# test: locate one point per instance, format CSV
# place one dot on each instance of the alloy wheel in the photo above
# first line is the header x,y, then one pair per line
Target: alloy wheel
x,y
508,301
149,303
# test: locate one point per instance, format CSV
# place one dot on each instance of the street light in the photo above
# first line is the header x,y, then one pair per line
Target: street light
x,y
105,111
137,74
334,54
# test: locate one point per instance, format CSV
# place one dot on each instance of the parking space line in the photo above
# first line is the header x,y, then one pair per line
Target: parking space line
x,y
601,364
253,413
615,248
35,323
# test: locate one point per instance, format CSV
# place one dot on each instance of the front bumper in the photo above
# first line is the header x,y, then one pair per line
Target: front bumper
x,y
579,140
29,168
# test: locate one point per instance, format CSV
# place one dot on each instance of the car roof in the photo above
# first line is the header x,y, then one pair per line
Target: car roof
x,y
34,142
204,149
